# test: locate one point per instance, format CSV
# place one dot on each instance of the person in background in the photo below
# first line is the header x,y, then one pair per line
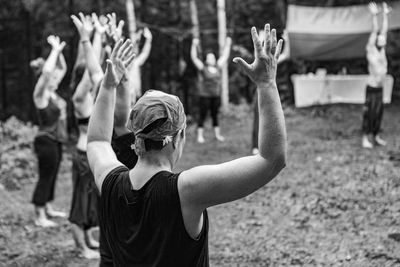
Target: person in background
x,y
283,57
52,116
150,215
123,139
377,68
210,87
84,206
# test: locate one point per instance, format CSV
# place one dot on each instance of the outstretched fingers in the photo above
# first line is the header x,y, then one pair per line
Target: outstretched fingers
x,y
256,42
120,26
246,67
95,18
128,51
82,17
76,21
273,41
278,49
123,49
128,62
116,49
267,38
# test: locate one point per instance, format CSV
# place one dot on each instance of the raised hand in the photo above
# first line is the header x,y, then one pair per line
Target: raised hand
x,y
373,8
55,43
84,26
386,9
113,30
266,54
121,59
99,24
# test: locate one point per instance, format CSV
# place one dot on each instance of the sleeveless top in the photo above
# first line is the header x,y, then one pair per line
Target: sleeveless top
x,y
53,120
211,83
145,227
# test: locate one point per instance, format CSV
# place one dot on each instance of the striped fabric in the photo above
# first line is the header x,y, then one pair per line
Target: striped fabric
x,y
326,33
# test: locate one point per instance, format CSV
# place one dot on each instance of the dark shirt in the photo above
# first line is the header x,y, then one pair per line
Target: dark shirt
x,y
145,227
122,146
53,121
211,83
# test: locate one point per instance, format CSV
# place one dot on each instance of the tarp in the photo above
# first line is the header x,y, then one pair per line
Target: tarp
x,y
326,33
312,90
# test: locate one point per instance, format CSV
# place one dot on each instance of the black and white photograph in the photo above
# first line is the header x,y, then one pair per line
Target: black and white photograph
x,y
196,133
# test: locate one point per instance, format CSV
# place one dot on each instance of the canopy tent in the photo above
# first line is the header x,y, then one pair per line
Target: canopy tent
x,y
326,33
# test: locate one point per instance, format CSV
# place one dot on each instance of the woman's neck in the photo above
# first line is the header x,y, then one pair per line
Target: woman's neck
x,y
154,162
146,168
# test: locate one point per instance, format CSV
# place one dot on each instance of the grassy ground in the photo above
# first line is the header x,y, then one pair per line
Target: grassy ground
x,y
335,204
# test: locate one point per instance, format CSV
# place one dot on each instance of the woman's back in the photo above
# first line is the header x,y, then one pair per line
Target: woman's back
x,y
145,227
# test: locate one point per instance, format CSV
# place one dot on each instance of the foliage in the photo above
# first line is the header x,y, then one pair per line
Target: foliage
x,y
17,161
169,20
335,204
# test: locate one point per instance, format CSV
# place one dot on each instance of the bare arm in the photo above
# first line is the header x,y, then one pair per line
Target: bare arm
x,y
375,27
144,54
62,65
225,54
82,98
193,54
98,35
85,27
205,186
101,157
40,96
122,106
385,22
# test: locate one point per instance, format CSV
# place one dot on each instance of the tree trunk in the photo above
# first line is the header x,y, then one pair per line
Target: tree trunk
x,y
221,41
195,19
196,34
130,14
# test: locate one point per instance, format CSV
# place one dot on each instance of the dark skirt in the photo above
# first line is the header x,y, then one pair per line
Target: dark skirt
x,y
85,196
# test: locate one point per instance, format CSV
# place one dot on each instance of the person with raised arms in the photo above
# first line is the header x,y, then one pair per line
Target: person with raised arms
x,y
285,55
122,138
210,87
84,206
52,115
151,215
377,68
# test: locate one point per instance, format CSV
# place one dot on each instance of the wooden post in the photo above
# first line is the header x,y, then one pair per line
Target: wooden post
x,y
221,41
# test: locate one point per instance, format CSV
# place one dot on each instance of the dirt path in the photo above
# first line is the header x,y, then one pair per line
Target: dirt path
x,y
334,205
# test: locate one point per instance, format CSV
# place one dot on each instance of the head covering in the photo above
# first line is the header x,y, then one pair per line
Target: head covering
x,y
152,106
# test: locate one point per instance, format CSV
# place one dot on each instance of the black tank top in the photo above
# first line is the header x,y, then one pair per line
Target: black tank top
x,y
145,227
211,83
53,121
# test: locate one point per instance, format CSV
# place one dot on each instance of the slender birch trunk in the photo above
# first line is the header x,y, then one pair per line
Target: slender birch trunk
x,y
221,41
130,14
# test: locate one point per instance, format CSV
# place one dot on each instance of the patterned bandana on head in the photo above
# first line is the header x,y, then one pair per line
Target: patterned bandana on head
x,y
152,106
